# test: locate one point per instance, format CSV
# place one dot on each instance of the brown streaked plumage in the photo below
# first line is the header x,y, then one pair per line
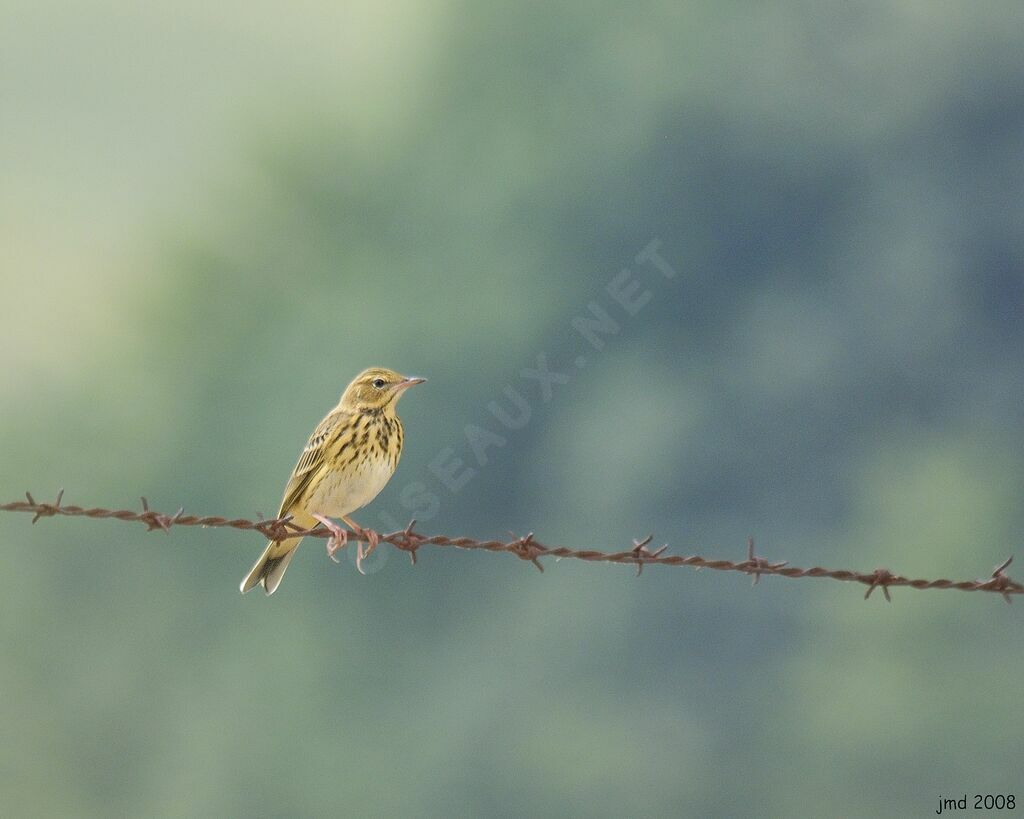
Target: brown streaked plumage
x,y
349,458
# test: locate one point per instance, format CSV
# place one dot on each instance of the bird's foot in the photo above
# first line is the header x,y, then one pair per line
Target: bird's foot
x,y
370,536
372,541
339,536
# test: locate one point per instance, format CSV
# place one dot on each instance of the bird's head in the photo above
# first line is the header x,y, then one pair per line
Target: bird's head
x,y
376,389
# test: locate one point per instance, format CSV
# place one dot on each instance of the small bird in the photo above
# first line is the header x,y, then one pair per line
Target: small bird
x,y
348,459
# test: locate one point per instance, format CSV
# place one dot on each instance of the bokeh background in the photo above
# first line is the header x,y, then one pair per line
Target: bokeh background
x,y
212,215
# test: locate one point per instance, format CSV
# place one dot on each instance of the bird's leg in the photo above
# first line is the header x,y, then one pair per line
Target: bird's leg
x,y
339,536
372,539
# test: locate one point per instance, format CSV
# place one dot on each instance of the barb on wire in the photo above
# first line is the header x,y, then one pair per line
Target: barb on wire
x,y
758,565
529,548
641,552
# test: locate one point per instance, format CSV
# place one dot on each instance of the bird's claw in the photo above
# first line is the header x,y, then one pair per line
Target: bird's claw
x,y
372,540
338,539
334,545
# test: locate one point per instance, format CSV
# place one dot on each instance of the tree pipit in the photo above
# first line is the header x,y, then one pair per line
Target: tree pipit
x,y
348,459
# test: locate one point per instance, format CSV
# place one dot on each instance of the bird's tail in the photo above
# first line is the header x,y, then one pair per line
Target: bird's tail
x,y
270,568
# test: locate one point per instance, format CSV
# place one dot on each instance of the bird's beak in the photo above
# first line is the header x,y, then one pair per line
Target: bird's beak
x,y
403,385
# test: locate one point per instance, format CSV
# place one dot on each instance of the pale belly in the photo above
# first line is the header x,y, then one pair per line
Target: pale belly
x,y
343,493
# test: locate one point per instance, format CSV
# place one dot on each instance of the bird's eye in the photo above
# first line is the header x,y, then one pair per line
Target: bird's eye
x,y
378,382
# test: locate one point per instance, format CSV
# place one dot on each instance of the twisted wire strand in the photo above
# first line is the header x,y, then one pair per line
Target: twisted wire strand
x,y
528,548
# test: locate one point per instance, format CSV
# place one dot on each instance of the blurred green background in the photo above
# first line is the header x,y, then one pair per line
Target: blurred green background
x,y
212,215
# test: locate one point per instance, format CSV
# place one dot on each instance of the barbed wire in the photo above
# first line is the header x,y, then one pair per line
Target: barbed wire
x,y
527,548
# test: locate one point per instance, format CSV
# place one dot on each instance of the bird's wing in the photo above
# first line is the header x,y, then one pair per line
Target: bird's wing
x,y
312,460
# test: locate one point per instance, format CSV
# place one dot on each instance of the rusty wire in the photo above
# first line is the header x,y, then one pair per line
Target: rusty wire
x,y
529,548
